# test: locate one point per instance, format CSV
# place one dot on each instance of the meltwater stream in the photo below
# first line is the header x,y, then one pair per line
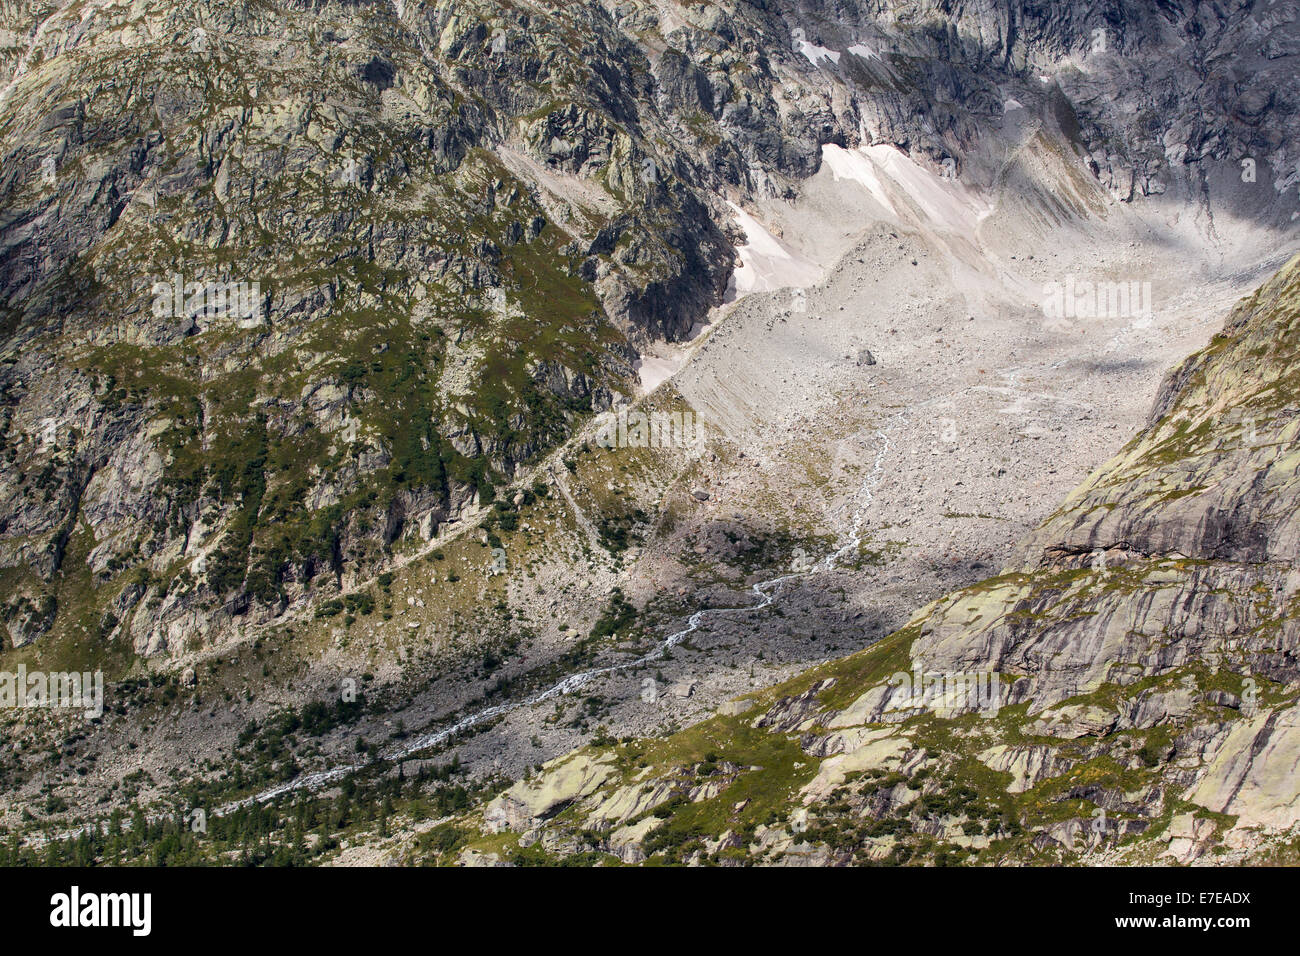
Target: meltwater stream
x,y
767,592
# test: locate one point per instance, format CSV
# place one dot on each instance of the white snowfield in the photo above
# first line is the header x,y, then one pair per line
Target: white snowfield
x,y
890,175
768,264
654,370
904,192
816,54
855,166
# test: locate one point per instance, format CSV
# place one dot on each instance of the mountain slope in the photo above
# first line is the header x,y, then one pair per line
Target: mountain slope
x,y
1144,701
450,228
312,316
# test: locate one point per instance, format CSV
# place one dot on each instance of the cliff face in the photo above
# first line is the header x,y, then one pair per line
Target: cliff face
x,y
1125,692
286,287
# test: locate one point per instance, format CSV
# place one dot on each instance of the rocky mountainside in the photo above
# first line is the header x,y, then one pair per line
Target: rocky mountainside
x,y
1126,693
289,287
316,320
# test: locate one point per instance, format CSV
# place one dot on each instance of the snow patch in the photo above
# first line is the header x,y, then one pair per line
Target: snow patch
x,y
654,370
886,172
662,360
854,165
816,53
766,263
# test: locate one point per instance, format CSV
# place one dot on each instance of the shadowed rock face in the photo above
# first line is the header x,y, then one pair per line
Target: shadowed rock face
x,y
422,315
1145,647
